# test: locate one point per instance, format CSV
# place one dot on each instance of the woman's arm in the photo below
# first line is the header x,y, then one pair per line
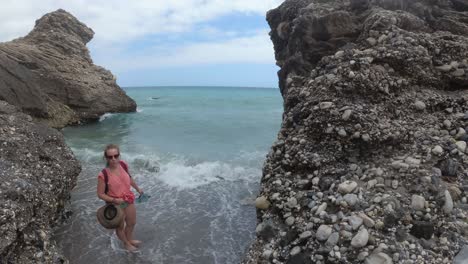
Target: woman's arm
x,y
135,186
101,187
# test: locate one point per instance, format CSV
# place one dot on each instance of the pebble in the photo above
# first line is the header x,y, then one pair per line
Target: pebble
x,y
461,145
447,123
347,187
362,255
347,114
355,222
292,202
351,199
420,105
444,68
267,253
321,208
437,150
360,239
372,41
290,220
367,220
417,202
305,235
342,133
296,250
378,258
325,105
262,203
333,239
448,206
323,232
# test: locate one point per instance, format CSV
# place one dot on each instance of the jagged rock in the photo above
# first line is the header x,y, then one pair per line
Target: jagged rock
x,y
50,75
37,173
381,103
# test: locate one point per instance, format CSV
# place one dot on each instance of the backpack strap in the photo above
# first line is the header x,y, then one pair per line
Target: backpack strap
x,y
106,180
125,167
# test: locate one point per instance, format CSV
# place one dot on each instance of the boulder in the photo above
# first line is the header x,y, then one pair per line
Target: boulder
x,y
50,75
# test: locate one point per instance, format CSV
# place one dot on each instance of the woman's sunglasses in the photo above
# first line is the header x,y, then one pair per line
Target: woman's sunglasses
x,y
116,156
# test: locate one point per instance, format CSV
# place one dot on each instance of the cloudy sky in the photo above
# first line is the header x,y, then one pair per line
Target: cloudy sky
x,y
161,42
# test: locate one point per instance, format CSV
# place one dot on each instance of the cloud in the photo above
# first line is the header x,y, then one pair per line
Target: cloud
x,y
155,34
248,49
126,20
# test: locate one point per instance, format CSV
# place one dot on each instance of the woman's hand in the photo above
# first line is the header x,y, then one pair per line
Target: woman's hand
x,y
117,201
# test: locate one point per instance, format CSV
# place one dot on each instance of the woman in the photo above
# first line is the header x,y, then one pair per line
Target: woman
x,y
119,193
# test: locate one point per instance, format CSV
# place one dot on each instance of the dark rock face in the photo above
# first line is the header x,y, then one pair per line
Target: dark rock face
x,y
50,75
375,105
37,173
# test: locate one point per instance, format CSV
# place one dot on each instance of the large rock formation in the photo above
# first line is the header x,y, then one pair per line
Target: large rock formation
x,y
37,173
50,75
370,161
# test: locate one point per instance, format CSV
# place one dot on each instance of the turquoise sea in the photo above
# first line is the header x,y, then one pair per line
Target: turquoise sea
x,y
198,151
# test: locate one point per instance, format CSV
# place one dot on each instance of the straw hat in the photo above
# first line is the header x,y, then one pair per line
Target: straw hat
x,y
110,216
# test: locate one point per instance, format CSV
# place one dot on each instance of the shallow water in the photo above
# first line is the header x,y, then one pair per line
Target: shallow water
x,y
198,151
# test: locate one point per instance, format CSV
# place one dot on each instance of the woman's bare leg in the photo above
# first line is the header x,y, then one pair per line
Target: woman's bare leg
x,y
130,222
121,235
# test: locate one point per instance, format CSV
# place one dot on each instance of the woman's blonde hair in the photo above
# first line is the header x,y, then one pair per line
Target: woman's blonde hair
x,y
110,146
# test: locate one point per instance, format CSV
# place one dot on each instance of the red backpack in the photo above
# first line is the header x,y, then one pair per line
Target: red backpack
x,y
106,177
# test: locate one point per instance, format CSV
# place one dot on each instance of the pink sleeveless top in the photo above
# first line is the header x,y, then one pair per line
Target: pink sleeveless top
x,y
118,186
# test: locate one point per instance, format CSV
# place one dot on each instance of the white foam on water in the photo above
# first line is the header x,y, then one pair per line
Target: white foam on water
x,y
139,110
105,116
178,174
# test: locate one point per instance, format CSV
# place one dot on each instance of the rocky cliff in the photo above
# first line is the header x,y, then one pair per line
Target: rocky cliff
x,y
370,162
37,173
50,75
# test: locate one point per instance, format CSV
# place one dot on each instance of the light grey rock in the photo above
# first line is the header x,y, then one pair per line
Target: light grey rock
x,y
461,146
305,234
351,199
437,150
333,239
372,41
360,239
323,232
325,105
368,222
355,221
418,202
379,258
296,250
347,187
321,208
420,105
448,206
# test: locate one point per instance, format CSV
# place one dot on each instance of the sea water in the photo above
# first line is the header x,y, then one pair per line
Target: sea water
x,y
198,152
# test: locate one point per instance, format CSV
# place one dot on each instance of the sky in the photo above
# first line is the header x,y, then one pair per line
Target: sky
x,y
166,43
